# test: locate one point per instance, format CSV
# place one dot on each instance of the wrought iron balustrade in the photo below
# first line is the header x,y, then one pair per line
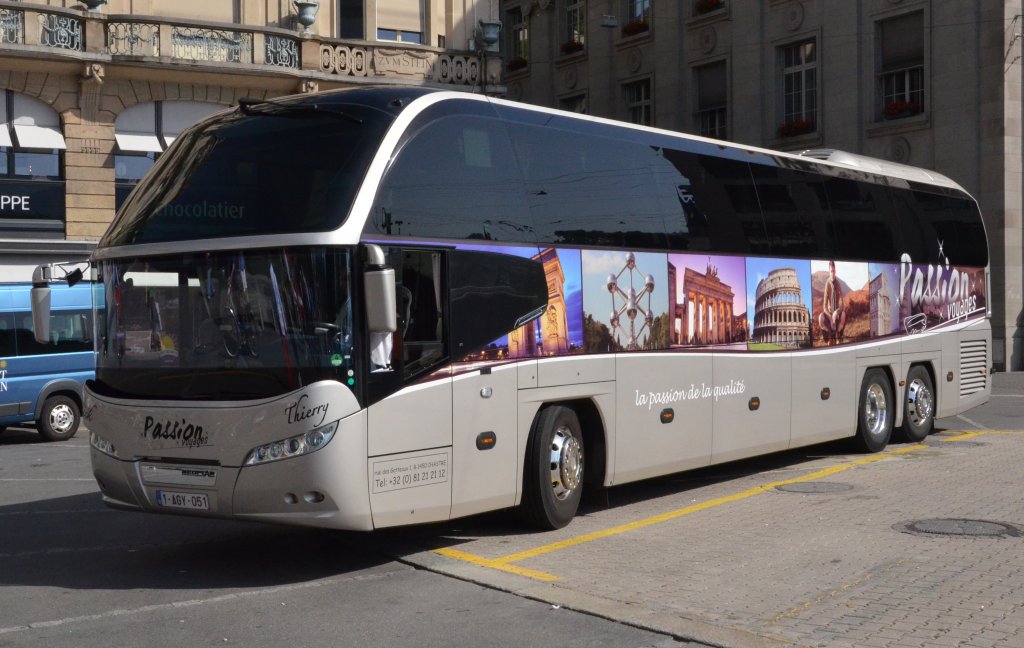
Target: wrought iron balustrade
x,y
281,51
133,38
219,45
12,26
60,32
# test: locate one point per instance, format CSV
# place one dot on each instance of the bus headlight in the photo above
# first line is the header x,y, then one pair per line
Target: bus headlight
x,y
101,444
299,444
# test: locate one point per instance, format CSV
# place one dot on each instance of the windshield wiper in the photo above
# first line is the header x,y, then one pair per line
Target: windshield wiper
x,y
271,107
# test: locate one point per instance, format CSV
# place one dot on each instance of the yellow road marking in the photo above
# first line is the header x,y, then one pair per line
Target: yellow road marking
x,y
503,563
485,562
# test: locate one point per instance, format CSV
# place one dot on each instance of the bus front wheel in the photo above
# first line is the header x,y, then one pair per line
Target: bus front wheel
x,y
59,418
553,479
876,411
918,406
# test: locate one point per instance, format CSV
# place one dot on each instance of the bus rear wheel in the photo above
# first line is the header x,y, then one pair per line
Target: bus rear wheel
x,y
59,419
918,405
553,479
875,412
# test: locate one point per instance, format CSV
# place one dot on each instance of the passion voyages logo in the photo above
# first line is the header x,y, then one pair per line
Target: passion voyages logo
x,y
185,433
935,295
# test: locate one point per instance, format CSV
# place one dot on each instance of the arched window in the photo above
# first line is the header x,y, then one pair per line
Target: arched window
x,y
144,131
31,184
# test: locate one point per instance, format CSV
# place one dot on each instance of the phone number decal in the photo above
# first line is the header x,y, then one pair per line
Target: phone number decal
x,y
411,472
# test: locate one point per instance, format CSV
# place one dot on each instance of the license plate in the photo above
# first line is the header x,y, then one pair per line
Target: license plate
x,y
175,499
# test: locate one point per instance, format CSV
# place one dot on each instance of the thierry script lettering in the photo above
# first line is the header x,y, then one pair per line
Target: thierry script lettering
x,y
299,411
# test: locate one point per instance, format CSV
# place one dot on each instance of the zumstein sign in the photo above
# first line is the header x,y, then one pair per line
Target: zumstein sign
x,y
31,207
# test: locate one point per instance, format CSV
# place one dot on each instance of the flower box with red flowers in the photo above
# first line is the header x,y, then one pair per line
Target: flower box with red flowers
x,y
571,47
795,127
634,27
899,109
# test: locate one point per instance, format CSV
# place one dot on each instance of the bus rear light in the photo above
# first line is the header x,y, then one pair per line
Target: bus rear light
x,y
101,444
299,444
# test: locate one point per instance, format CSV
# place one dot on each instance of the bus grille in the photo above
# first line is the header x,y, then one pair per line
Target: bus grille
x,y
973,374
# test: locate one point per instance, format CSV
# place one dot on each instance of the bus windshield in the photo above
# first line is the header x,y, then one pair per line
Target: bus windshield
x,y
284,169
225,325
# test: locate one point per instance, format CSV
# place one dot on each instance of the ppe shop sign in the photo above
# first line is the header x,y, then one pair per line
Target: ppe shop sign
x,y
31,205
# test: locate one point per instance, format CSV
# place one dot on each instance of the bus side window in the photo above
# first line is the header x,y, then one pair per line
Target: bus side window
x,y
794,207
863,232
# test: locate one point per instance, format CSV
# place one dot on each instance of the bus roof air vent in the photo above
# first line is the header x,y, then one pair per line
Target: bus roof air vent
x,y
877,165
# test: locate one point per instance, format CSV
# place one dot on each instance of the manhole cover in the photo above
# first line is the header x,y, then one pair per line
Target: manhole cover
x,y
960,527
814,487
953,444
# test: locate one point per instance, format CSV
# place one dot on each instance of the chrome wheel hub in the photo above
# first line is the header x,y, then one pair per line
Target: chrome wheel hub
x,y
566,463
876,410
61,419
920,402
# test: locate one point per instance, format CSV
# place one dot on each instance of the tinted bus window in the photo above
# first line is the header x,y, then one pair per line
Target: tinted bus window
x,y
949,228
865,229
721,196
686,226
795,212
915,213
455,178
585,189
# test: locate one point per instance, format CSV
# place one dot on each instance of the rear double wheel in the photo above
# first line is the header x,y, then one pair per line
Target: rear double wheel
x,y
875,412
553,476
918,405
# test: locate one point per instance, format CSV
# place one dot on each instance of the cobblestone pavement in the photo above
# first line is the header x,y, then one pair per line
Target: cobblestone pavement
x,y
724,557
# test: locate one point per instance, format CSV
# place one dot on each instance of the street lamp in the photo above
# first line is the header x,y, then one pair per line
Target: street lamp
x,y
489,31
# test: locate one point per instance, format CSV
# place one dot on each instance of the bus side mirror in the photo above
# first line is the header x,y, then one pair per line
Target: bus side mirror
x,y
41,304
379,291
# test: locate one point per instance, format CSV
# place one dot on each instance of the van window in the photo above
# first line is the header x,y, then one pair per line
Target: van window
x,y
70,332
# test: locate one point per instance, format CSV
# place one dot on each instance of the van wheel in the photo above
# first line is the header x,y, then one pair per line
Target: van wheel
x,y
918,406
59,419
876,411
553,481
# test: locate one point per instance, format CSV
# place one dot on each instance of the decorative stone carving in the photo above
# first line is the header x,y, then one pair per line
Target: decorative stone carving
x,y
899,150
634,59
794,15
570,78
396,62
89,94
309,85
708,39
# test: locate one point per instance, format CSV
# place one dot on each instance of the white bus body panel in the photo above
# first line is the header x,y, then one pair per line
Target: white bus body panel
x,y
815,418
413,418
740,431
647,385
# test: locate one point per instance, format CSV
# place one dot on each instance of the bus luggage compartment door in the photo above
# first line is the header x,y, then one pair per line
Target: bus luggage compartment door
x,y
751,396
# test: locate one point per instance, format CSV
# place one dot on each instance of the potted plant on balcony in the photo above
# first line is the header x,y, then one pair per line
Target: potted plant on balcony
x,y
571,47
516,63
795,127
634,27
707,6
900,108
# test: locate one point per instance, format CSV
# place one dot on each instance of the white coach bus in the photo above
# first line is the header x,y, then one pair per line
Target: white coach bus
x,y
386,306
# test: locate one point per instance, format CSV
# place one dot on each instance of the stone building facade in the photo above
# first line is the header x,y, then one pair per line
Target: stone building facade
x,y
89,98
923,82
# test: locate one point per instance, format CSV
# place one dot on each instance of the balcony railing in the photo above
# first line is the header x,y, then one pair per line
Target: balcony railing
x,y
420,63
54,28
12,26
97,37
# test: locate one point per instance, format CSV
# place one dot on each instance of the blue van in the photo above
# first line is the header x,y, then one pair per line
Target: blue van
x,y
44,382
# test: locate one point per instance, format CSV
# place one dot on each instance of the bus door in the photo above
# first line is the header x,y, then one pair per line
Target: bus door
x,y
409,423
751,395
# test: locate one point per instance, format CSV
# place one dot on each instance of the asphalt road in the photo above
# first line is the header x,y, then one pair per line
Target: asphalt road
x,y
75,573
